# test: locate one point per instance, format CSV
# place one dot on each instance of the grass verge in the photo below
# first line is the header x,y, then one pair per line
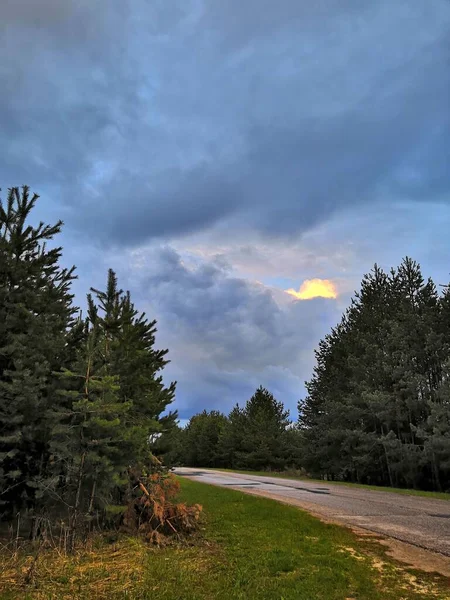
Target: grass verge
x,y
375,488
248,548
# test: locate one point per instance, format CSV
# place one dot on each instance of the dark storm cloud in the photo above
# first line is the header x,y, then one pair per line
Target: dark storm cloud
x,y
236,323
157,119
226,335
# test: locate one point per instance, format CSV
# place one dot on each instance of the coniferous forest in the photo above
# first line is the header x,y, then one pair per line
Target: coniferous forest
x,y
377,409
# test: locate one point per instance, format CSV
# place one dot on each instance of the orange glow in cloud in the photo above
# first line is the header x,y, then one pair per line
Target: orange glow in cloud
x,y
314,288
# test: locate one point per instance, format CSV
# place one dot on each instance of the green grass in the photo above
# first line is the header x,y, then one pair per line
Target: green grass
x,y
248,548
375,488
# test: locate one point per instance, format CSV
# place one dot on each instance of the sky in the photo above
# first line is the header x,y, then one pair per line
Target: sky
x,y
239,164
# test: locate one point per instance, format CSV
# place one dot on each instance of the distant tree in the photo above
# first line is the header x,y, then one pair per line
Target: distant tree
x,y
202,438
171,446
265,422
231,440
293,448
257,436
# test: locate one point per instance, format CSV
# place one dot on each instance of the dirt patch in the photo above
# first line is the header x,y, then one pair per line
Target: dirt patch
x,y
424,560
412,582
415,557
353,552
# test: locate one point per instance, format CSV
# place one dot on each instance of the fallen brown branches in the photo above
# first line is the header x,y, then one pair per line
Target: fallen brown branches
x,y
154,512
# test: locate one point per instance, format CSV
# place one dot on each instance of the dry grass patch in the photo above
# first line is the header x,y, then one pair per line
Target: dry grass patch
x,y
105,571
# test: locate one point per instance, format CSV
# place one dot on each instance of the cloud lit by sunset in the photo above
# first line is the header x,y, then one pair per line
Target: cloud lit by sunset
x,y
314,288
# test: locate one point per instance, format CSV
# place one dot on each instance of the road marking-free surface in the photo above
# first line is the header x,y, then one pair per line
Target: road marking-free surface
x,y
417,520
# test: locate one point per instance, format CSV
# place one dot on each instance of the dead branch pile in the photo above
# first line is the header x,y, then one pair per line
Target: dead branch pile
x,y
154,513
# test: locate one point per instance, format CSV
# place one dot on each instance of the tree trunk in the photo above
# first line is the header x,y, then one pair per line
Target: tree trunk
x,y
435,468
76,506
391,483
91,501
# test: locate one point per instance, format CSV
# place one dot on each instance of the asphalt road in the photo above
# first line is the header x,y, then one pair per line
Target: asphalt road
x,y
423,522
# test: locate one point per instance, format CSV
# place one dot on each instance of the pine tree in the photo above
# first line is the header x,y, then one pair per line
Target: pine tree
x,y
88,432
171,447
331,380
377,383
231,439
202,436
35,313
113,398
130,354
436,431
265,422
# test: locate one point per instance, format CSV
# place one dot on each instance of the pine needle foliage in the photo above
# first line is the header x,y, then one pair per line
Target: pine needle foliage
x,y
36,313
80,398
377,409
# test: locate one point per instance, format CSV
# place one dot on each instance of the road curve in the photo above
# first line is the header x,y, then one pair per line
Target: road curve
x,y
417,520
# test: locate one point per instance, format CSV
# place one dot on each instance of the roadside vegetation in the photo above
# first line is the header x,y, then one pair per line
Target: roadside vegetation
x,y
247,547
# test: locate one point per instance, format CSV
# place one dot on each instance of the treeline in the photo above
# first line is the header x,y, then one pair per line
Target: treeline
x,y
378,404
377,409
79,396
258,436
